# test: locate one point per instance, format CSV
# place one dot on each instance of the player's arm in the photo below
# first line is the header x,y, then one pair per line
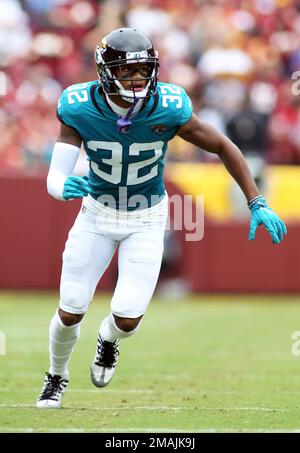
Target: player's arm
x,y
61,184
69,135
207,137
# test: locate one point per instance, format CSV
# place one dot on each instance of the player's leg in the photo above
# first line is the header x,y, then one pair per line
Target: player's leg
x,y
140,257
86,257
64,332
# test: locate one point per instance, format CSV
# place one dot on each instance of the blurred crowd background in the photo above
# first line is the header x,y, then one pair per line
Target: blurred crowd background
x,y
235,58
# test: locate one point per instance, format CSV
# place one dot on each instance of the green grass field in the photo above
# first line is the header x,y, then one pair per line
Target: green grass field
x,y
206,363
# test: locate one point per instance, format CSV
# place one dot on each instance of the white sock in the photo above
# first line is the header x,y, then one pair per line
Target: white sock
x,y
62,340
109,331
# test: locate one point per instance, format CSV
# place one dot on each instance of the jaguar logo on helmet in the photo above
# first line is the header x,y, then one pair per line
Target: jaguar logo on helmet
x,y
103,43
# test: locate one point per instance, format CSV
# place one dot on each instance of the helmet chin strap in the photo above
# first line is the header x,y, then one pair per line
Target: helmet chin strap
x,y
124,123
127,94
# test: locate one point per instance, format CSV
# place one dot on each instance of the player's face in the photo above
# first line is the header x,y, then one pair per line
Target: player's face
x,y
135,73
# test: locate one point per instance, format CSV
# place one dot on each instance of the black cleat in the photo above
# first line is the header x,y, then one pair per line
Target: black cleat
x,y
52,392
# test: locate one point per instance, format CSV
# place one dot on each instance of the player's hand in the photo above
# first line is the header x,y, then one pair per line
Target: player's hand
x,y
262,214
76,187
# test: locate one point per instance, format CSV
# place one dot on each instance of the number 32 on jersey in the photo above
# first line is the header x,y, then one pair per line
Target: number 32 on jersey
x,y
117,166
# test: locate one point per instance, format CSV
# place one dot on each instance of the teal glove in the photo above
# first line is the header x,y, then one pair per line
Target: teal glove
x,y
262,214
76,187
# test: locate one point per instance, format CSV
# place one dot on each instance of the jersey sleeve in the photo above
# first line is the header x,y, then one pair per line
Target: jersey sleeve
x,y
63,110
187,108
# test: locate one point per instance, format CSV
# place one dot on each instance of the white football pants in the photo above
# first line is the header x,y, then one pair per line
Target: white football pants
x,y
91,244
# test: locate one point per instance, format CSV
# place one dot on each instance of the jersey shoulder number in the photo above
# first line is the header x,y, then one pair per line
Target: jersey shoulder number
x,y
72,100
175,102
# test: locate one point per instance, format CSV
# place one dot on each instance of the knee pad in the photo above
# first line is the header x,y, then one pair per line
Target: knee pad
x,y
74,296
126,309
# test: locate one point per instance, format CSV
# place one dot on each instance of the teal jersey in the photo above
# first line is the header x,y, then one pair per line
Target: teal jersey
x,y
125,165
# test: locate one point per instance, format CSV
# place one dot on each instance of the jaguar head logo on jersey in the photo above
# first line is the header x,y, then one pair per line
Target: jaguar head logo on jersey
x,y
123,47
159,129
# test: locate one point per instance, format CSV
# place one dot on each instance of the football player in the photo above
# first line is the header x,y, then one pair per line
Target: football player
x,y
124,120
